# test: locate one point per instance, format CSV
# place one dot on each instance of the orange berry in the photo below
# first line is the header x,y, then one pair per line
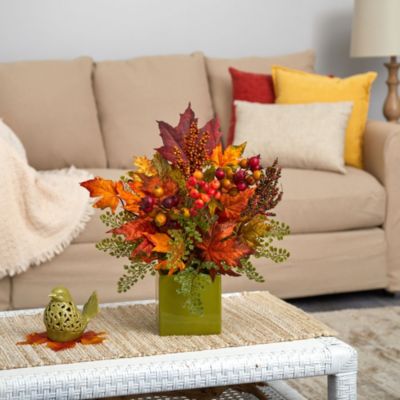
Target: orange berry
x,y
243,163
198,174
158,191
250,180
160,219
185,212
228,172
205,197
226,183
257,174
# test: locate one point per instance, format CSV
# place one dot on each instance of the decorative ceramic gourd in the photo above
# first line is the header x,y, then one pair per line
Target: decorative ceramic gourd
x,y
64,322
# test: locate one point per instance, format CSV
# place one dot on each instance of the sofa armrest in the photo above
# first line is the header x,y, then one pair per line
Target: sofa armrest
x,y
382,159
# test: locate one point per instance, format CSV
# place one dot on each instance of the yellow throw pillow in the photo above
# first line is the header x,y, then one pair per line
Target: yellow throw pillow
x,y
296,87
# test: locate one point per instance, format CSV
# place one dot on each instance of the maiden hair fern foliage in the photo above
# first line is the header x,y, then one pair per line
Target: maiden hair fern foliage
x,y
192,211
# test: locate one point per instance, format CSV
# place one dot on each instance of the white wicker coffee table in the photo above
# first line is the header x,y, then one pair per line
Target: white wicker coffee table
x,y
170,372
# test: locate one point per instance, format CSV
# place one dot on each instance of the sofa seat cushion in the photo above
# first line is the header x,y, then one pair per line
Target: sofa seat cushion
x,y
313,201
220,80
319,201
50,106
132,95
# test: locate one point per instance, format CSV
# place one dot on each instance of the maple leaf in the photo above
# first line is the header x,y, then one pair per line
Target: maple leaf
x,y
143,250
174,138
134,230
254,229
222,247
145,166
164,264
131,200
149,184
213,127
161,242
89,337
105,189
230,156
234,205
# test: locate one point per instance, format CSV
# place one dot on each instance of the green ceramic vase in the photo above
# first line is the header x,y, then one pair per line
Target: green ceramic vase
x,y
174,319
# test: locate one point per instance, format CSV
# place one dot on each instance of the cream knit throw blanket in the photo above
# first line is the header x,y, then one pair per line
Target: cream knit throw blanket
x,y
40,212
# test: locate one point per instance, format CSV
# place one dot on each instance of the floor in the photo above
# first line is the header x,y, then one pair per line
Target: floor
x,y
368,299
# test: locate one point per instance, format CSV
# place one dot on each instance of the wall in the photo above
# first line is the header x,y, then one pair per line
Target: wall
x,y
112,29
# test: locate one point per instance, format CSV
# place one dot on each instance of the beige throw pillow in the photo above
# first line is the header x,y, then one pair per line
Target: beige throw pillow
x,y
309,136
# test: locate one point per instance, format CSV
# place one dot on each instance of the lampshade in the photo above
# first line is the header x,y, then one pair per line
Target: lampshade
x,y
376,28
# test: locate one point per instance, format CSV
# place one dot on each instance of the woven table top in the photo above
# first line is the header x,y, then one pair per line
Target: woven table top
x,y
248,319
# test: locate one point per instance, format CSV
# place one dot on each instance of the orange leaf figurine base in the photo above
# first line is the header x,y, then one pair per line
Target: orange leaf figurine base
x,y
89,337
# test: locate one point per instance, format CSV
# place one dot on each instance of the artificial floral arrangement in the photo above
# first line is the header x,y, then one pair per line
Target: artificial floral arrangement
x,y
193,211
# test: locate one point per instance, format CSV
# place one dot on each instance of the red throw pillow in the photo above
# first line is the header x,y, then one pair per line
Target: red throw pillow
x,y
248,86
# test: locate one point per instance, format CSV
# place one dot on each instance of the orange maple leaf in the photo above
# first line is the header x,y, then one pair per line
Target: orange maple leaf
x,y
145,166
161,242
131,200
169,186
105,189
89,337
221,246
234,205
134,230
230,156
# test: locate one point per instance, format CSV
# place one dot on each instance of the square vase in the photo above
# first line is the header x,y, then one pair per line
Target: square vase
x,y
174,319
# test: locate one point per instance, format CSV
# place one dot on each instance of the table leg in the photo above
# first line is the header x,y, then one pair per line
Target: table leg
x,y
342,386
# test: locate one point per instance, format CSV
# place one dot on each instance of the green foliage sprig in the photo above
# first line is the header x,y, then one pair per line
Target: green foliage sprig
x,y
192,284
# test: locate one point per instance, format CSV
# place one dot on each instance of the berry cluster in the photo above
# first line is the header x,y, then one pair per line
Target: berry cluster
x,y
161,208
235,180
201,191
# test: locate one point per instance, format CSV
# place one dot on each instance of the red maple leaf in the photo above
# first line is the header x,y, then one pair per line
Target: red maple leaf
x,y
222,246
173,138
133,230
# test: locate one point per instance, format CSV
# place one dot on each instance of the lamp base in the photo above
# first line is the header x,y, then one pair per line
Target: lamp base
x,y
391,107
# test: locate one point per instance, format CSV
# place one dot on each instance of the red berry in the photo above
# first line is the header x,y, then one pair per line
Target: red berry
x,y
201,183
241,186
211,192
239,176
199,203
206,186
217,195
194,194
147,204
193,212
205,197
220,173
254,162
192,181
215,184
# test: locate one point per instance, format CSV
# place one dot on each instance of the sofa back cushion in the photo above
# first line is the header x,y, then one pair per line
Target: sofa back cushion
x,y
50,106
132,95
220,79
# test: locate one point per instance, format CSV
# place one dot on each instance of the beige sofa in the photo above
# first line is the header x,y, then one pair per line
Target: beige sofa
x,y
346,228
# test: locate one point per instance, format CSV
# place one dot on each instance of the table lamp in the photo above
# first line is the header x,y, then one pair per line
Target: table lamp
x,y
376,33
